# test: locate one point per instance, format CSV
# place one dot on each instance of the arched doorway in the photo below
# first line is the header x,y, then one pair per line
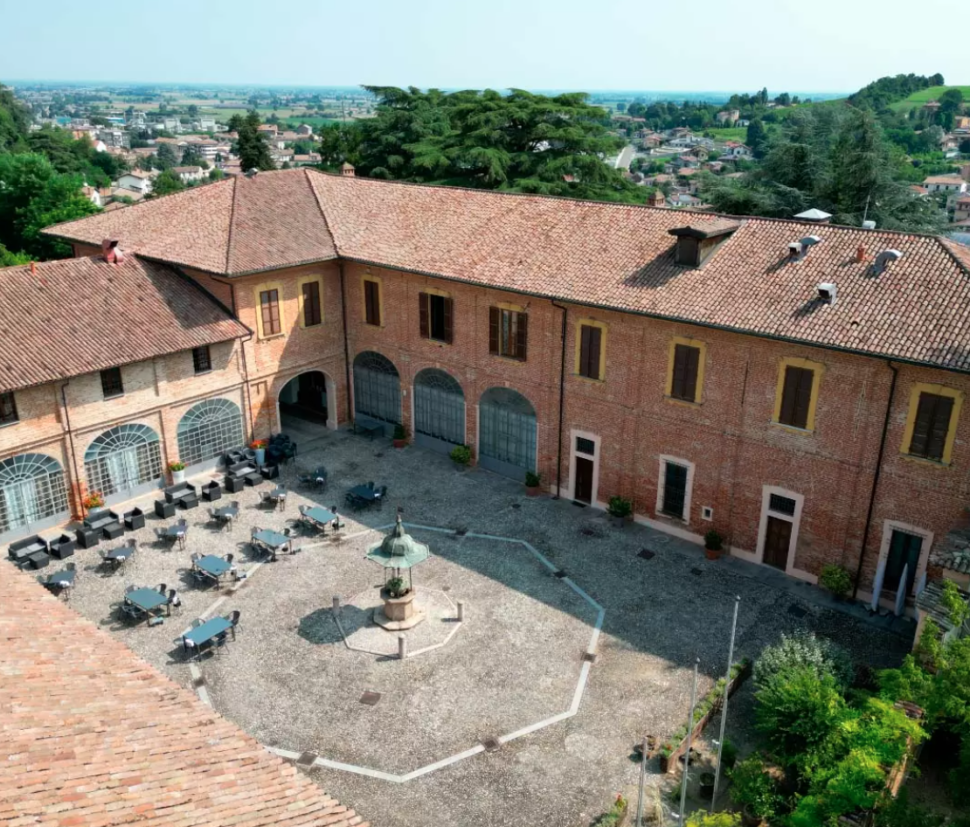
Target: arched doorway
x,y
124,462
308,398
377,390
506,433
206,431
439,410
33,494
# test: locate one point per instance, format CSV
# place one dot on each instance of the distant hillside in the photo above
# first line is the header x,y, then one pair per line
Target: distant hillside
x,y
923,96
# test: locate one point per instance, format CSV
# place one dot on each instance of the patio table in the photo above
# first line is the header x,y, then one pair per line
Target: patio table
x,y
120,554
365,492
146,599
177,531
201,635
271,540
61,579
227,513
214,566
320,516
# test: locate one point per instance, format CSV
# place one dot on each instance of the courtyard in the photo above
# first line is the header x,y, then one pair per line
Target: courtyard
x,y
525,710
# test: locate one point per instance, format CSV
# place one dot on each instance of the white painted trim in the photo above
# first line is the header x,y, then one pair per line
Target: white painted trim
x,y
661,482
888,527
794,519
597,442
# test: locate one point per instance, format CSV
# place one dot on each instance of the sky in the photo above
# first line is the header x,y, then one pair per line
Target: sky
x,y
589,45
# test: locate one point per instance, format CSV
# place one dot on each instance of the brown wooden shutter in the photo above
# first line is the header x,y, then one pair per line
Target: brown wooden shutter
x,y
449,323
932,425
522,336
796,397
311,303
423,323
789,396
494,321
270,311
678,387
372,302
593,352
692,357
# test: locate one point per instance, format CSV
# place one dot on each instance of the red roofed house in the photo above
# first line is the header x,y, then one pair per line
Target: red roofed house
x,y
745,375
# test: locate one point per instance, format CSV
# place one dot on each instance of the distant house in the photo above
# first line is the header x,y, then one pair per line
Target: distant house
x,y
931,106
136,181
961,122
945,183
94,195
304,130
269,129
736,151
656,199
121,193
189,175
961,208
728,116
919,190
99,146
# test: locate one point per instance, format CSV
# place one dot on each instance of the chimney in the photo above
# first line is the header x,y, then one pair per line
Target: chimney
x,y
33,268
860,254
347,170
112,252
826,292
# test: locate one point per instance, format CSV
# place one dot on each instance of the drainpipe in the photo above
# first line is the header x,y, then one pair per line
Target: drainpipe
x,y
562,395
70,439
343,312
875,481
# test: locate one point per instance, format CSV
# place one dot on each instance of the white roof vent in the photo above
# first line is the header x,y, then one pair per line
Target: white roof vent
x,y
826,292
868,225
885,258
795,250
810,240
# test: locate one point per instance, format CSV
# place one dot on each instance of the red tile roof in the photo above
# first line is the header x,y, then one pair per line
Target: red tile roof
x,y
82,315
93,735
611,255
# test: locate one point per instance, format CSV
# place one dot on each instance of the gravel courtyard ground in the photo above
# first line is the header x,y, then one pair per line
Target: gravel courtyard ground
x,y
290,680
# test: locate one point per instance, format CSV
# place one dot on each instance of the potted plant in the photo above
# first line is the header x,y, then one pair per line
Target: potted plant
x,y
620,510
93,501
713,543
461,455
259,448
754,790
616,815
396,588
837,580
400,436
177,470
532,481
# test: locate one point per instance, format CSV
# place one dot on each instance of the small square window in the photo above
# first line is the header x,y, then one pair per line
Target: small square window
x,y
781,505
585,446
111,384
8,409
201,359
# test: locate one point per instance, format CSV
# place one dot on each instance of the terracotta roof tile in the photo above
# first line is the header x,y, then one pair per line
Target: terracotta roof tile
x,y
81,315
94,735
611,255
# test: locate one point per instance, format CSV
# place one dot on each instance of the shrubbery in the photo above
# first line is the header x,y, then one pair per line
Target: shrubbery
x,y
805,649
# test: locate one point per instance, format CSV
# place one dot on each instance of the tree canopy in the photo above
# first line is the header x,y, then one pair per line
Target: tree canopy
x,y
251,147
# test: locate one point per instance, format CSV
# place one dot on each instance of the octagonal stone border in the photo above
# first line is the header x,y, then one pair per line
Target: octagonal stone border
x,y
320,761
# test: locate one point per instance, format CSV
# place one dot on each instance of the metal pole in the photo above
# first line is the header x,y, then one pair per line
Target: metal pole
x,y
690,733
643,776
724,703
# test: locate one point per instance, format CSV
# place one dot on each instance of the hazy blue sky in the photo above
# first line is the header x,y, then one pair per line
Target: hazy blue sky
x,y
816,45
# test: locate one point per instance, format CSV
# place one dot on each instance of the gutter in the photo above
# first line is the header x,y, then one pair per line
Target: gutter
x,y
562,398
343,314
876,476
70,438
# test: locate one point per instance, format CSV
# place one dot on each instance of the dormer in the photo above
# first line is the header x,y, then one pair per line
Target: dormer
x,y
696,242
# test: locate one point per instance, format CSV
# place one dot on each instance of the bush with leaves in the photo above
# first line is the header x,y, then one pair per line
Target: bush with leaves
x,y
804,649
753,788
957,608
835,579
702,819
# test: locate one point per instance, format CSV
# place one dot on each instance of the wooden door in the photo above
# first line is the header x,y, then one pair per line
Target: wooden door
x,y
584,480
777,542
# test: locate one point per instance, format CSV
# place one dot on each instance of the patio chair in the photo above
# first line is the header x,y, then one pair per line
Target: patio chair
x,y
72,566
130,611
197,622
174,601
183,524
162,536
229,558
220,640
213,517
370,484
195,557
130,588
233,618
162,589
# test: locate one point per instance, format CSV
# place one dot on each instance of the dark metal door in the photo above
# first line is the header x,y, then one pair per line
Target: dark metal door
x,y
377,389
777,542
439,411
584,480
507,433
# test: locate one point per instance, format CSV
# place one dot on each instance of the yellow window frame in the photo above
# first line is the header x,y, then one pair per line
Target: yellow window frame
x,y
817,369
951,433
380,297
580,324
257,301
299,295
701,364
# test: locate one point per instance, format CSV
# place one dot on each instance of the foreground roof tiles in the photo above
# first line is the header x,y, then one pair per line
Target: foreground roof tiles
x,y
66,318
608,255
93,735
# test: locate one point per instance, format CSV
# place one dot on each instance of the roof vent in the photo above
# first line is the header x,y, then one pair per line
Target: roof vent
x,y
815,216
869,225
795,250
826,292
251,173
810,241
885,258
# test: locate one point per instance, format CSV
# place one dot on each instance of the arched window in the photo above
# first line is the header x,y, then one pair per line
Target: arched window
x,y
377,388
208,430
123,458
439,410
31,489
506,432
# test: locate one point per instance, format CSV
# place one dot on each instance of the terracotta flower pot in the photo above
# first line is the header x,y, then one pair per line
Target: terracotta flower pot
x,y
400,443
711,554
532,491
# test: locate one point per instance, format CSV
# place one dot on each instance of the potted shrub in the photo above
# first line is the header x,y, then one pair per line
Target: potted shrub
x,y
616,815
837,580
461,455
396,588
754,790
400,436
713,543
620,509
177,470
532,481
93,501
259,448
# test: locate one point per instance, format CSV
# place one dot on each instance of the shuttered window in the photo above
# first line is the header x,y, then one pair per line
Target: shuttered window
x,y
269,302
675,490
201,359
932,424
684,380
111,384
311,303
435,315
8,409
590,350
796,397
372,303
508,333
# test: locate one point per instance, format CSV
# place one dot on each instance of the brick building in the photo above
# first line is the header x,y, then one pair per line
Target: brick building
x,y
796,387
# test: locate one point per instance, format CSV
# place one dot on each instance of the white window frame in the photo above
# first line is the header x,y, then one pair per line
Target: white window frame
x,y
573,436
795,519
661,484
888,527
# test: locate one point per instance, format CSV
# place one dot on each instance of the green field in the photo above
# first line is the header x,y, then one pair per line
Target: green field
x,y
728,133
918,99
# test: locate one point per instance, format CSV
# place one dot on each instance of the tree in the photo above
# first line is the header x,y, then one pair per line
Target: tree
x,y
165,184
250,145
757,138
165,157
193,110
14,121
8,259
